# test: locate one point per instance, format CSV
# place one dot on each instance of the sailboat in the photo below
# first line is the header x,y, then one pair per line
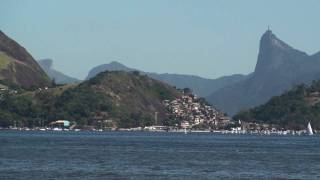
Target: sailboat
x,y
309,129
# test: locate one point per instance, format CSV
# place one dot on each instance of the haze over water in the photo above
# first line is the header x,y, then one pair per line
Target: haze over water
x,y
146,155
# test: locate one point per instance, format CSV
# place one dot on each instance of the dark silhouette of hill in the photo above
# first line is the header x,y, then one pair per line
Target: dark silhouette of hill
x,y
279,68
200,86
59,77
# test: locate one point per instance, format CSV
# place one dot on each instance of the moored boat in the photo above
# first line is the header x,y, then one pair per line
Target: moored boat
x,y
309,129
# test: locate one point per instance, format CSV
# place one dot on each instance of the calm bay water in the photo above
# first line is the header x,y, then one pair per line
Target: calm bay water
x,y
146,155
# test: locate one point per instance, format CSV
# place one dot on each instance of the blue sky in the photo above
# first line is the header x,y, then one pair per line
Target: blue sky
x,y
209,38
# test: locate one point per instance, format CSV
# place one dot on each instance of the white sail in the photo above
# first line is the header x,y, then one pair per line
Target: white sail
x,y
309,129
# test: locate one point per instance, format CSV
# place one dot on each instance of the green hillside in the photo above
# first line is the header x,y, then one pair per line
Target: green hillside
x,y
125,99
291,110
5,60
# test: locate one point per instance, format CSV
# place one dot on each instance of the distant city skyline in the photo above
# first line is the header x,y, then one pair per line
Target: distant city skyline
x,y
208,38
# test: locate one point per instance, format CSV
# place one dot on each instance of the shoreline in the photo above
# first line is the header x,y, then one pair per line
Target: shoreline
x,y
213,132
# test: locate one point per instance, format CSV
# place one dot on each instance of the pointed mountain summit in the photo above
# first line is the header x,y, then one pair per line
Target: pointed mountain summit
x,y
279,67
17,66
275,54
46,63
59,77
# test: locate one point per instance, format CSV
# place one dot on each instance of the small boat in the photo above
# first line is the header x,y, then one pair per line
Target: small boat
x,y
185,130
57,129
309,129
299,133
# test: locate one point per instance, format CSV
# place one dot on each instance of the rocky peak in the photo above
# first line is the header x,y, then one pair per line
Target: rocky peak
x,y
46,63
269,40
21,68
59,77
275,54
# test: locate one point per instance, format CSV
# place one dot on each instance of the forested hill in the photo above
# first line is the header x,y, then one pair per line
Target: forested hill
x,y
291,110
126,99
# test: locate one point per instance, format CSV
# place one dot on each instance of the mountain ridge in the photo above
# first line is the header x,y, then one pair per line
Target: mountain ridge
x,y
200,86
279,67
57,76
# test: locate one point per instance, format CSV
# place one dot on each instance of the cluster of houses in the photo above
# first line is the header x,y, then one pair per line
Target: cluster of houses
x,y
192,111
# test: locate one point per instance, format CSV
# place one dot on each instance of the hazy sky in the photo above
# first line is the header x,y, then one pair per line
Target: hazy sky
x,y
209,38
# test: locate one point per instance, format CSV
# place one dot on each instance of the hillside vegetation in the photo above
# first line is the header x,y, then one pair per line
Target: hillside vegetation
x,y
291,110
125,99
5,60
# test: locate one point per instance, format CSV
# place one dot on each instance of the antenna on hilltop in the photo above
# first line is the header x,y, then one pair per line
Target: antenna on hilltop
x,y
268,28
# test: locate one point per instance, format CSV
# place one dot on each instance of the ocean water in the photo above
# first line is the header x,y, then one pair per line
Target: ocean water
x,y
147,155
